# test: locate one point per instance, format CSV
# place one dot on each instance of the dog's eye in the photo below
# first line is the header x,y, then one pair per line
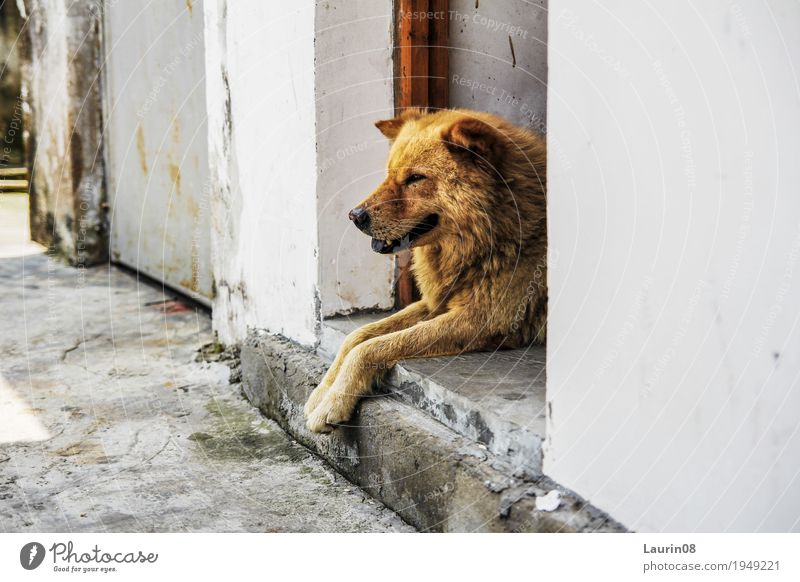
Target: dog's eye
x,y
414,178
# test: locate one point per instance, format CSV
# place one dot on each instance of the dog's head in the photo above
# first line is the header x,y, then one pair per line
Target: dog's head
x,y
438,164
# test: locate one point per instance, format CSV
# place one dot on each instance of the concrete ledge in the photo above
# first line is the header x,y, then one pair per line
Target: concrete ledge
x,y
436,479
494,398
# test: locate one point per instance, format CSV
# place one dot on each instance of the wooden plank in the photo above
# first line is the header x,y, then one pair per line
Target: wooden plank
x,y
439,56
13,184
421,73
13,171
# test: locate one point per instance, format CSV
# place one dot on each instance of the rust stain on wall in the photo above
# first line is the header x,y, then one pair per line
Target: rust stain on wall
x,y
192,284
175,176
140,146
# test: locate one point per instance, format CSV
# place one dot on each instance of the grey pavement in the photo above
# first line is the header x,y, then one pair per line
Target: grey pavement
x,y
108,421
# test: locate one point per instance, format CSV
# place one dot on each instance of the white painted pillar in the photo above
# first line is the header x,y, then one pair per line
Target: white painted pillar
x,y
260,83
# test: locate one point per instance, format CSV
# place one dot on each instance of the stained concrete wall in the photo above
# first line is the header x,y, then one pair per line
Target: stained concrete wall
x,y
498,59
157,142
673,343
63,120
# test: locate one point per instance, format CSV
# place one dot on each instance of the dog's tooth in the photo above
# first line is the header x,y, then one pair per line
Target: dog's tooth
x,y
388,242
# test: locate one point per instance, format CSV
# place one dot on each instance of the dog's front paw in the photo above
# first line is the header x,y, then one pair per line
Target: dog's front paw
x,y
335,408
315,398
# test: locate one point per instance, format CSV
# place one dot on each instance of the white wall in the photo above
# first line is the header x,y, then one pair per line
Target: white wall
x,y
157,142
260,83
353,88
484,72
674,217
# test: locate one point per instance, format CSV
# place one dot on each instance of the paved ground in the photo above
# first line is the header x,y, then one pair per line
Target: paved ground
x,y
109,423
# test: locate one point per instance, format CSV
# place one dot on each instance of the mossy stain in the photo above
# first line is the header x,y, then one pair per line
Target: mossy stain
x,y
238,434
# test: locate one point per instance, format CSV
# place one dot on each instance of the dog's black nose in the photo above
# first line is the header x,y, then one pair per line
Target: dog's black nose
x,y
360,217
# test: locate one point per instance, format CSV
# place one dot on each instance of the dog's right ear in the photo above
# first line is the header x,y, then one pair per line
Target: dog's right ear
x,y
391,127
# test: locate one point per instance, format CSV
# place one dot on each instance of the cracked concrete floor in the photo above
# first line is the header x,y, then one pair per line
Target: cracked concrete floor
x,y
107,422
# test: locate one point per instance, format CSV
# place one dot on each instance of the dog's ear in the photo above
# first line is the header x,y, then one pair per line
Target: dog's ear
x,y
480,141
391,127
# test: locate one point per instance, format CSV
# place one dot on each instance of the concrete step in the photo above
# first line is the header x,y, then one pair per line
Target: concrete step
x,y
494,398
435,478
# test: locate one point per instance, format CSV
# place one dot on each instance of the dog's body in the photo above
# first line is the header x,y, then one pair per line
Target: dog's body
x,y
466,192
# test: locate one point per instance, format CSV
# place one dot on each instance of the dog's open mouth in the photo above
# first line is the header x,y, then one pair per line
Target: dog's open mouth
x,y
392,246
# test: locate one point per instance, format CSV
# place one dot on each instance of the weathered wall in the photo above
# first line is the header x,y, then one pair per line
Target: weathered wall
x,y
292,97
673,343
353,89
10,86
498,59
63,120
261,114
158,143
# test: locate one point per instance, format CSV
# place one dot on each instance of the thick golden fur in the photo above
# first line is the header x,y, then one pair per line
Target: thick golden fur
x,y
481,271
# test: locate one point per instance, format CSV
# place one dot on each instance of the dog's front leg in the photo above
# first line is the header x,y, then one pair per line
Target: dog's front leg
x,y
446,334
403,319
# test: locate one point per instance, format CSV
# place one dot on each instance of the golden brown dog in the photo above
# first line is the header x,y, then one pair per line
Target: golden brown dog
x,y
466,192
